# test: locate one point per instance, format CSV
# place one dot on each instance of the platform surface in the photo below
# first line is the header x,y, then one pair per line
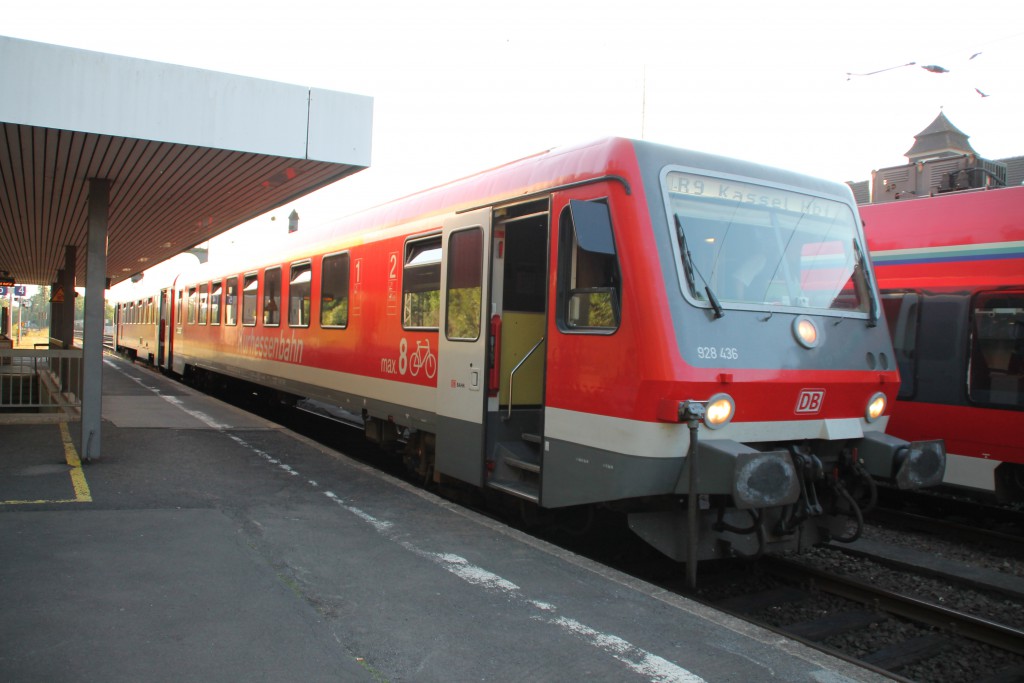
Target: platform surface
x,y
209,545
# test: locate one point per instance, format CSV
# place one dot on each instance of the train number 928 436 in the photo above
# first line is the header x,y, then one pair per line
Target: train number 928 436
x,y
718,353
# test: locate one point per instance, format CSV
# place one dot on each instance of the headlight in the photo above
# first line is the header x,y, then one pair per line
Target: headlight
x,y
805,331
876,407
719,411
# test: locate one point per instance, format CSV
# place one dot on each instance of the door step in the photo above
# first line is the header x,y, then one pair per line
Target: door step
x,y
518,455
518,489
517,467
526,465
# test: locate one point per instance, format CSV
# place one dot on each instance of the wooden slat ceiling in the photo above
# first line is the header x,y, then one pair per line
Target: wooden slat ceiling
x,y
164,197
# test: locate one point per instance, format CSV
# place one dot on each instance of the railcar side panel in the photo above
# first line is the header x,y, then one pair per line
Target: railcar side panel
x,y
951,271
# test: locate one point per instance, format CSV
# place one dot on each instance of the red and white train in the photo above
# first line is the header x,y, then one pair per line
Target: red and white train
x,y
571,328
951,274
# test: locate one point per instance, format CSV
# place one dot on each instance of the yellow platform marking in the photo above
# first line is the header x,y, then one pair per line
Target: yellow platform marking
x,y
78,482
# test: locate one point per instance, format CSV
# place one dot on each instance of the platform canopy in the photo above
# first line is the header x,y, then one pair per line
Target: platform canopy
x,y
189,154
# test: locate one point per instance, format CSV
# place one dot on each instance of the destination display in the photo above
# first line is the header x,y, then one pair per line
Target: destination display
x,y
707,187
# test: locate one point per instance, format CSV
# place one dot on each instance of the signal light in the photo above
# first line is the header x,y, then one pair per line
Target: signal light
x,y
876,407
805,331
719,411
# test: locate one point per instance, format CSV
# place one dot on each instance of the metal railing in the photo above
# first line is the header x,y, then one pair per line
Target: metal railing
x,y
512,375
40,380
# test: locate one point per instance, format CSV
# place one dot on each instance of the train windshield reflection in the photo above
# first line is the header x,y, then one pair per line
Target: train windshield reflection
x,y
750,245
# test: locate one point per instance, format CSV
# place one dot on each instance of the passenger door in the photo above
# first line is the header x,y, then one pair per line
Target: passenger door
x,y
462,346
163,352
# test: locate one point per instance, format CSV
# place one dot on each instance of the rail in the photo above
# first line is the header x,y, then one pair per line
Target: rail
x,y
982,630
512,375
40,379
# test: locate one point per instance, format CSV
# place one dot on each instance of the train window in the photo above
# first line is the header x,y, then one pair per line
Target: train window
x,y
464,285
250,297
902,315
588,274
299,287
193,301
216,295
231,301
272,296
744,245
421,284
178,310
334,290
996,374
204,303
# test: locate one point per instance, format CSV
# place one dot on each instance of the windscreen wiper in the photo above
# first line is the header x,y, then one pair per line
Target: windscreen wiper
x,y
873,319
690,267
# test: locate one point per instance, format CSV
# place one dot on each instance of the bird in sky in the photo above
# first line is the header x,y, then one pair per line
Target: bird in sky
x,y
931,68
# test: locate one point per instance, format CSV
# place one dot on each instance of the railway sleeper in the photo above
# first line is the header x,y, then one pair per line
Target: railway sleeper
x,y
909,651
752,603
833,624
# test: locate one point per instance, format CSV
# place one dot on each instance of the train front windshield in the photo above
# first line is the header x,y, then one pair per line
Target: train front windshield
x,y
742,245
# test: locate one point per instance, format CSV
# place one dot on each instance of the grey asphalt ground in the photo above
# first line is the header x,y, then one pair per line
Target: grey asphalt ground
x,y
209,545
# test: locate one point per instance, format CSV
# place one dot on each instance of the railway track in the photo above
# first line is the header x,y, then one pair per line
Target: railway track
x,y
888,631
899,604
1008,543
978,514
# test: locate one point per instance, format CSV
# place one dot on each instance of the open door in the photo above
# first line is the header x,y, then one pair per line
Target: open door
x,y
163,356
463,346
519,276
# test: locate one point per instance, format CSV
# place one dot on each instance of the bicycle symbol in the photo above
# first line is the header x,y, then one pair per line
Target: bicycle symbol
x,y
423,359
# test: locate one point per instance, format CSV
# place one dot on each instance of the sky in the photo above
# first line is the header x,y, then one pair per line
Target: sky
x,y
460,86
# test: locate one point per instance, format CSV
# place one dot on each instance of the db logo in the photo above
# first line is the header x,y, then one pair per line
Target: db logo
x,y
810,401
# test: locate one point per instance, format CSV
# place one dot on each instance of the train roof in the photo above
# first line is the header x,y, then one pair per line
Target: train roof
x,y
969,217
509,183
